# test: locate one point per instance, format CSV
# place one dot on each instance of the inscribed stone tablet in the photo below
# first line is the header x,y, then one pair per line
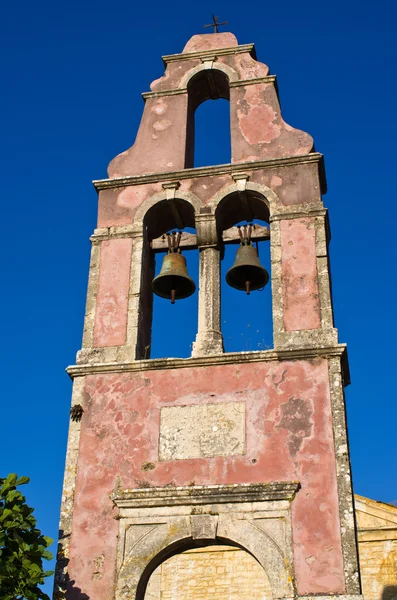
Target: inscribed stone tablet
x,y
202,430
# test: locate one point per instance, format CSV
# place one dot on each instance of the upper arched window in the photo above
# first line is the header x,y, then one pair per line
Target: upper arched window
x,y
208,123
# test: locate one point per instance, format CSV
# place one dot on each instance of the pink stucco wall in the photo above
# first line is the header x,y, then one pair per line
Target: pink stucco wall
x,y
111,305
288,437
299,272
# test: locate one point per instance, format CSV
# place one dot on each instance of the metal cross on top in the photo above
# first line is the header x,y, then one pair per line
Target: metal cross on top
x,y
215,24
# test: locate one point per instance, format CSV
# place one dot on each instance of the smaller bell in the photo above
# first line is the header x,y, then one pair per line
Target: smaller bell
x,y
247,274
173,281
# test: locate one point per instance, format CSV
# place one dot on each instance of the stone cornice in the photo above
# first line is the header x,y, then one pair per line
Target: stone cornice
x,y
202,54
161,93
241,82
339,350
232,84
211,171
209,494
301,211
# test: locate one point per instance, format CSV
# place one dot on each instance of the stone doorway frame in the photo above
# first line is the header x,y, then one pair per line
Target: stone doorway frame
x,y
156,523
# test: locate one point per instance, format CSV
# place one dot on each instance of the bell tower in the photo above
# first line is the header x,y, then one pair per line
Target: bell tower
x,y
221,456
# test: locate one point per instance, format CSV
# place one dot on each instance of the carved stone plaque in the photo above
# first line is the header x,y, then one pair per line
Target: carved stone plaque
x,y
202,430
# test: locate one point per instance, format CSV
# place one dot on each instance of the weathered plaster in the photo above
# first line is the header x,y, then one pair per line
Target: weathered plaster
x,y
121,432
112,297
258,130
299,275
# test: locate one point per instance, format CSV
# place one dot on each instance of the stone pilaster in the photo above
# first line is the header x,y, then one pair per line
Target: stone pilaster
x,y
68,492
343,472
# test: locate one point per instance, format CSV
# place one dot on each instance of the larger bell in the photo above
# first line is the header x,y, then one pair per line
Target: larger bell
x,y
173,281
247,273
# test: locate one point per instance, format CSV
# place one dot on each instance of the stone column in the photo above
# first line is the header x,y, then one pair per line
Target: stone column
x,y
209,338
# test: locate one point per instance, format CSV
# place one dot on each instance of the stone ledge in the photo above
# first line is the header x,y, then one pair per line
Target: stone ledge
x,y
298,211
210,494
241,49
211,171
232,84
86,368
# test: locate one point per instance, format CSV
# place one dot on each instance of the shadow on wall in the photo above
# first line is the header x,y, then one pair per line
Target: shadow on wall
x,y
62,579
389,592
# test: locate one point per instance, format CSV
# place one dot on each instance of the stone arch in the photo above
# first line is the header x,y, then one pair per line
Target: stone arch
x,y
268,196
208,65
162,541
168,195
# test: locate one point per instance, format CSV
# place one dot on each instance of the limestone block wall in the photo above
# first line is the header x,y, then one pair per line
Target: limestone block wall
x,y
223,572
211,573
377,544
378,566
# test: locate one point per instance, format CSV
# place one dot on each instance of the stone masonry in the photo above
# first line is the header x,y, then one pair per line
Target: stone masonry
x,y
246,452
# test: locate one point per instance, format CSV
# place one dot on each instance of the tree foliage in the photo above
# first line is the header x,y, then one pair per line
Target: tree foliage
x,y
22,545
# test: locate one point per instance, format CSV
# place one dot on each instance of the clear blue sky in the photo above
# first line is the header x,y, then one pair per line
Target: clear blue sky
x,y
72,76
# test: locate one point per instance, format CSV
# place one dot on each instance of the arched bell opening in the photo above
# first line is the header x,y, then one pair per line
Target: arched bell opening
x,y
168,310
190,570
208,139
246,301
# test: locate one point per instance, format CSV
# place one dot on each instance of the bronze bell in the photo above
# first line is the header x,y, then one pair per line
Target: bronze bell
x,y
173,281
247,273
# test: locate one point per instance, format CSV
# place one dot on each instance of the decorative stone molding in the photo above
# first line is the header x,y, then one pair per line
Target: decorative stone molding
x,y
233,81
209,64
96,366
313,157
114,232
160,94
204,54
206,232
256,80
284,213
206,494
256,517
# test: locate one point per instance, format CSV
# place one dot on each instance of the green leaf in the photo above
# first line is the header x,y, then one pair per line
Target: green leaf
x,y
12,479
22,480
22,545
47,540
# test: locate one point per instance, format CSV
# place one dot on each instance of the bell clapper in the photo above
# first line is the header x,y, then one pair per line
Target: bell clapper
x,y
172,296
247,287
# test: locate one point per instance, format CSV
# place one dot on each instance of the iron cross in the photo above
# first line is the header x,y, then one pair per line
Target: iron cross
x,y
215,24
